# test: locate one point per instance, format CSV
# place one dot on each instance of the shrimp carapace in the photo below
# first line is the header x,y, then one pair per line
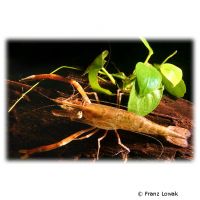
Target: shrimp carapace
x,y
112,118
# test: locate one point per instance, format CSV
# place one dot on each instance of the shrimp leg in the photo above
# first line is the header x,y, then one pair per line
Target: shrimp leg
x,y
119,97
28,152
99,143
120,143
95,95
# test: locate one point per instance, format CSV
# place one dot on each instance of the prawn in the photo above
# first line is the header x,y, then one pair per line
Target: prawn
x,y
105,117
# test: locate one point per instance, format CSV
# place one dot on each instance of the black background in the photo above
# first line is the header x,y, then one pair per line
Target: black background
x,y
27,57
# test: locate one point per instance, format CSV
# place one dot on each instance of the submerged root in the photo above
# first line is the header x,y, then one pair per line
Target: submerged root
x,y
27,152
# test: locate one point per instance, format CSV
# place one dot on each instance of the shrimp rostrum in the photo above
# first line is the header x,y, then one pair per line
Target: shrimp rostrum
x,y
105,117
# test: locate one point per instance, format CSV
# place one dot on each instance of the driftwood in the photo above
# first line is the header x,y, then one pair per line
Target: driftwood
x,y
31,124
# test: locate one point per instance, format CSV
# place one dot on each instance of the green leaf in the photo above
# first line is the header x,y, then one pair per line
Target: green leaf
x,y
93,71
178,91
172,73
148,78
143,105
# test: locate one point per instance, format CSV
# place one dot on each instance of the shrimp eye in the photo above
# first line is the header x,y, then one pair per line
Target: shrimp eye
x,y
79,114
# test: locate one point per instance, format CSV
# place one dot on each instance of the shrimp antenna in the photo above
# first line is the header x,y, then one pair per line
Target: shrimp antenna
x,y
42,107
157,140
109,103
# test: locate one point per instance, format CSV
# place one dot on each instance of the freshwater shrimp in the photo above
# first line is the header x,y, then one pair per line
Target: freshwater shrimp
x,y
105,117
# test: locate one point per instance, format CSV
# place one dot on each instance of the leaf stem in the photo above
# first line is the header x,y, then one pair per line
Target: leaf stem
x,y
16,102
119,76
148,47
109,75
171,55
25,93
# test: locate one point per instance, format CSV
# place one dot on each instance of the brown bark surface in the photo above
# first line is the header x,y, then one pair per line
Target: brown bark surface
x,y
31,124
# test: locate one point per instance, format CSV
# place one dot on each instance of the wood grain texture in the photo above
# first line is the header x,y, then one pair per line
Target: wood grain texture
x,y
31,124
